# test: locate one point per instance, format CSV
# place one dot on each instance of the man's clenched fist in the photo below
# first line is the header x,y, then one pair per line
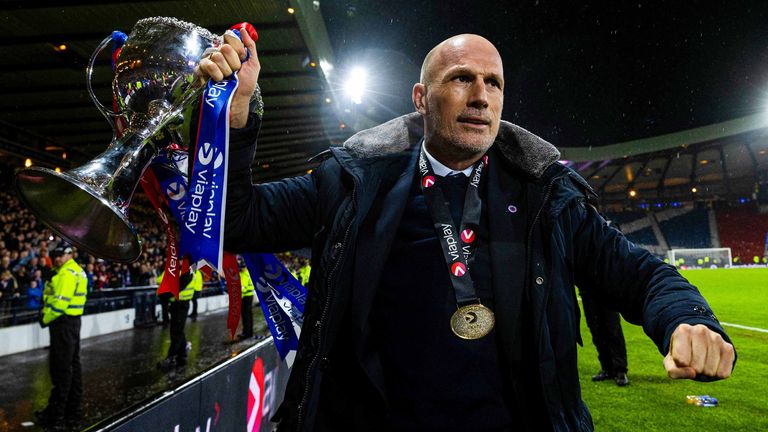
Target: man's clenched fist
x,y
695,350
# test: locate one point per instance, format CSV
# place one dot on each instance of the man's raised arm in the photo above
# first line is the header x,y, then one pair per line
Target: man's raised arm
x,y
259,218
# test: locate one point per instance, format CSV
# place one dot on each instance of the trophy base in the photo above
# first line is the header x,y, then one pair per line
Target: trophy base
x,y
77,213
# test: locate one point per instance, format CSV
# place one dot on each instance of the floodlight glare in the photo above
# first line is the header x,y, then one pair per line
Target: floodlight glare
x,y
326,66
355,84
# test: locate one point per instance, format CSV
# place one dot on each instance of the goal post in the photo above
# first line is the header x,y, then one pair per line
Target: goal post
x,y
700,258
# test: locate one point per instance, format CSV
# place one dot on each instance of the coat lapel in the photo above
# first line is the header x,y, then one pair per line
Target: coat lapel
x,y
375,239
376,235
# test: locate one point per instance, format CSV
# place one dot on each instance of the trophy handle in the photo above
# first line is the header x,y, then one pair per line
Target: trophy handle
x,y
106,112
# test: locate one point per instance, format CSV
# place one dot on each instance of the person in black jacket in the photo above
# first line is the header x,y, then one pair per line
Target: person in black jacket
x,y
400,218
608,337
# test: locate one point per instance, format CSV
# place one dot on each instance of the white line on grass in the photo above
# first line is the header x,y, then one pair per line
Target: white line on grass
x,y
757,329
745,327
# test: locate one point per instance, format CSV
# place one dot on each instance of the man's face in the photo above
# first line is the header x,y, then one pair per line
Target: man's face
x,y
465,96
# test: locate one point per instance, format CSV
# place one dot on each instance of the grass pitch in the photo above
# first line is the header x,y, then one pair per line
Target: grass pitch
x,y
653,402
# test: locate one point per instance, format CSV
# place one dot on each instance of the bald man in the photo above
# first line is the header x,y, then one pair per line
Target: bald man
x,y
446,246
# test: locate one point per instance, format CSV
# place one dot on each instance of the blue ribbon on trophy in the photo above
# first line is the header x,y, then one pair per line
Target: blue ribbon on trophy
x,y
202,232
170,169
282,300
281,296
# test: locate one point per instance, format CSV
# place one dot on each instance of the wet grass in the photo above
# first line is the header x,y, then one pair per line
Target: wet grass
x,y
653,402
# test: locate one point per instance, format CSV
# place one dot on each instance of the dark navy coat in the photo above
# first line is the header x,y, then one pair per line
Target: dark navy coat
x,y
347,210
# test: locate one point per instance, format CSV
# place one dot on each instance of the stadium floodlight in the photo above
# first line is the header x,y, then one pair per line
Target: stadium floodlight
x,y
355,84
326,67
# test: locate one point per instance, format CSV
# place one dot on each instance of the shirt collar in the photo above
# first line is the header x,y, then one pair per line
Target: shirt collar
x,y
442,170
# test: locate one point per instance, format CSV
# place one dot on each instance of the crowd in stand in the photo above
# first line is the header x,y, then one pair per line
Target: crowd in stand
x,y
25,264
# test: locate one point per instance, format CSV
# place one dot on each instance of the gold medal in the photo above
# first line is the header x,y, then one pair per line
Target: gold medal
x,y
472,321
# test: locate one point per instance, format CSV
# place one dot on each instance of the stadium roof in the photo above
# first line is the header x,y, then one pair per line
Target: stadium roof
x,y
45,110
722,161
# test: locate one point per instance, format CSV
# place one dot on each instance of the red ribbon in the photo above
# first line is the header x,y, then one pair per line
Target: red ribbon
x,y
232,276
173,267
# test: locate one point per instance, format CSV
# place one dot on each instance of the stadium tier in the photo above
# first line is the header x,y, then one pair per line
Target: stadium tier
x,y
643,237
688,230
744,230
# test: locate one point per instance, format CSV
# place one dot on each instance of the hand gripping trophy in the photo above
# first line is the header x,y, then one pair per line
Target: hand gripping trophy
x,y
154,88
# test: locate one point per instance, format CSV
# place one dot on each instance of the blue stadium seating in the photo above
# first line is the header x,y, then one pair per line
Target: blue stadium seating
x,y
690,230
643,237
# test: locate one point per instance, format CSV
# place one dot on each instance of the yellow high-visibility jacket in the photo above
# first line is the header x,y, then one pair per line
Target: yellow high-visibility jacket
x,y
197,281
65,293
246,283
187,292
304,273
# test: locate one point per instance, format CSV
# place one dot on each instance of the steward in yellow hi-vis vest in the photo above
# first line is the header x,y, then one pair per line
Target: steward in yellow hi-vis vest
x,y
197,291
177,351
246,300
64,298
304,273
187,286
164,299
246,283
66,292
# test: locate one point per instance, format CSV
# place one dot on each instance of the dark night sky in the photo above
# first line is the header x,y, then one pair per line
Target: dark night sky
x,y
588,73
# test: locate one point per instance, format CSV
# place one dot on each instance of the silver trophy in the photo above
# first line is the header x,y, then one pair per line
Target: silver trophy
x,y
154,88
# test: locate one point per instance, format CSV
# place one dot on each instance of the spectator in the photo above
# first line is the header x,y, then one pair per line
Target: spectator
x,y
9,293
9,287
34,296
90,276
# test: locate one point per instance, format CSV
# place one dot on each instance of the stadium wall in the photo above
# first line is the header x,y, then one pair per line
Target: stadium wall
x,y
239,394
25,337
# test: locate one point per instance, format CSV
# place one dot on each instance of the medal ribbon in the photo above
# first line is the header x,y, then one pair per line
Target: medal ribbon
x,y
281,297
458,246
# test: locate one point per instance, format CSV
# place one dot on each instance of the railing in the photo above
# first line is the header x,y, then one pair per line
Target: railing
x,y
16,310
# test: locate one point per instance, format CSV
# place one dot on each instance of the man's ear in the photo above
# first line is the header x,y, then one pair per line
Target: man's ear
x,y
419,97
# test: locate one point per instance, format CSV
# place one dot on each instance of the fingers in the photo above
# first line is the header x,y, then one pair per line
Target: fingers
x,y
230,59
234,42
247,40
698,350
712,360
675,372
680,346
727,357
209,69
218,64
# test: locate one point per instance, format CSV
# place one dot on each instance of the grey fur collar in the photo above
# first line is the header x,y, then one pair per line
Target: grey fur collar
x,y
524,150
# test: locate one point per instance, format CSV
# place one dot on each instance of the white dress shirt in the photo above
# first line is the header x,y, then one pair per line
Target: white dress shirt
x,y
442,170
